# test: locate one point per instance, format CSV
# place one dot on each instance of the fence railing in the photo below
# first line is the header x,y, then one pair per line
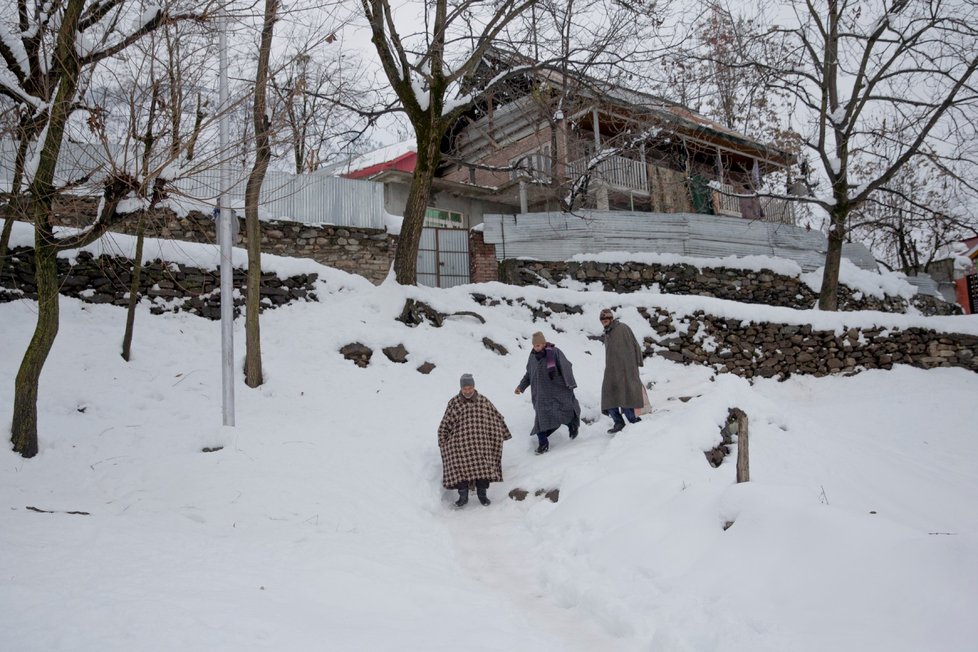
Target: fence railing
x,y
617,171
725,202
772,209
778,210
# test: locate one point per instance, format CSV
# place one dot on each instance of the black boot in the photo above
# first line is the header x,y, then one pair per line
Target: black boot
x,y
480,491
544,441
463,494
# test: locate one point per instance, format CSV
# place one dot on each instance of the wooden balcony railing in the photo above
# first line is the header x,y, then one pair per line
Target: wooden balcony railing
x,y
618,172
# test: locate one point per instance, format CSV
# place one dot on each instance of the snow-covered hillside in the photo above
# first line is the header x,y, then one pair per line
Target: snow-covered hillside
x,y
321,523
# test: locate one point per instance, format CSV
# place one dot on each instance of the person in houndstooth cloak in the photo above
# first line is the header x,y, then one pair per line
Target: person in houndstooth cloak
x,y
470,437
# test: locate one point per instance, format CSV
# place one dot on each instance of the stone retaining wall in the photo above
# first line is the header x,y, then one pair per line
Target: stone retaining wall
x,y
779,350
367,252
170,287
762,287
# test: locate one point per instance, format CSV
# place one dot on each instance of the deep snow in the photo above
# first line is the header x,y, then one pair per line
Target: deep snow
x,y
322,525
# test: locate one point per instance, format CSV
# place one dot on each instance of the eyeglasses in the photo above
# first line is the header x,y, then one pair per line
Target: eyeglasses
x,y
606,319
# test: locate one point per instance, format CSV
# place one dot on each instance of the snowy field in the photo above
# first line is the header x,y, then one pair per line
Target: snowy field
x,y
321,523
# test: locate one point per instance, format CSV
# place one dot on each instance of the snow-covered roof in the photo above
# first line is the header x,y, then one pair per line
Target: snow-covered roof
x,y
375,157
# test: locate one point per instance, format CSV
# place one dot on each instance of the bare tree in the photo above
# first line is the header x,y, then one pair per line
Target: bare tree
x,y
893,72
423,73
579,42
713,73
148,139
311,93
48,62
914,219
263,154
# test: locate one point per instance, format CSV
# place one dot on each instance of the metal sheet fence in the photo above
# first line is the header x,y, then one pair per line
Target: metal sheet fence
x,y
305,198
558,236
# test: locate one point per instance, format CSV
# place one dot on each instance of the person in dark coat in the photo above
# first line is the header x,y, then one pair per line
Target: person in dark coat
x,y
550,377
470,438
621,388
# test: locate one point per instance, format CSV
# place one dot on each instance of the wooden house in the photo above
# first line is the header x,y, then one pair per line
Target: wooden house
x,y
546,143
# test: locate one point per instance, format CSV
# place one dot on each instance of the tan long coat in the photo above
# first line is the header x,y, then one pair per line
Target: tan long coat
x,y
621,386
470,437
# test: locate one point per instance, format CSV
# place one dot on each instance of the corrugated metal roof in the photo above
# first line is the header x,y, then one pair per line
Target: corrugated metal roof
x,y
558,236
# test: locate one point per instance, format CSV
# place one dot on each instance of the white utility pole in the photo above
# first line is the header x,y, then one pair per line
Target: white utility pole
x,y
225,236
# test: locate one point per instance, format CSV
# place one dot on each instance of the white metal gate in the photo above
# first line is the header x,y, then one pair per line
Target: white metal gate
x,y
443,257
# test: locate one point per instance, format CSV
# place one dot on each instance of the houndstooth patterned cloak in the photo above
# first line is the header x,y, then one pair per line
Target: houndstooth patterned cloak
x,y
470,437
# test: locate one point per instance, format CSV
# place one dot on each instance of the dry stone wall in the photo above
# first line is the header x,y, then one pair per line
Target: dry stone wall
x,y
170,287
762,287
750,349
367,252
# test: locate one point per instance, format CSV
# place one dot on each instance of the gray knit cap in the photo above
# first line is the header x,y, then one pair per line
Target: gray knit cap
x,y
466,381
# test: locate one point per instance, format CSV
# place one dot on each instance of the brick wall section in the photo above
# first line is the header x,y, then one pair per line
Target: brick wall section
x,y
483,267
367,252
501,157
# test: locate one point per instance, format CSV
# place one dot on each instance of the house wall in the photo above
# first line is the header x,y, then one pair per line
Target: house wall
x,y
500,156
483,266
668,190
396,194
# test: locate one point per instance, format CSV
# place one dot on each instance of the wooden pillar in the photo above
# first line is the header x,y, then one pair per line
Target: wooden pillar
x,y
743,452
645,166
601,188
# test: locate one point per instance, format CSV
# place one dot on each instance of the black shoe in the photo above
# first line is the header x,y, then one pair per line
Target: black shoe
x,y
542,448
463,497
484,499
636,420
573,431
618,427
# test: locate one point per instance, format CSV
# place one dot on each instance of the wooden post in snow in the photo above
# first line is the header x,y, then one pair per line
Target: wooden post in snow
x,y
743,453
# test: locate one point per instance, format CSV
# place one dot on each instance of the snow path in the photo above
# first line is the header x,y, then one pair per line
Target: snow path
x,y
496,549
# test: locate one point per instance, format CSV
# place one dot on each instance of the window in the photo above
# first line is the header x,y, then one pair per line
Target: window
x,y
442,218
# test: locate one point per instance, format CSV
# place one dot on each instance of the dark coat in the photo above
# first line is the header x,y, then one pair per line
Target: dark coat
x,y
470,437
622,386
553,398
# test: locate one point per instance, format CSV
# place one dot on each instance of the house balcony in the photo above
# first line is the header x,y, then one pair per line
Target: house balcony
x,y
617,172
629,177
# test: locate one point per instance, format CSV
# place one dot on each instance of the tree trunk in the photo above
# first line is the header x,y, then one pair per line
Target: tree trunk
x,y
137,268
23,428
24,425
8,226
828,297
253,370
406,259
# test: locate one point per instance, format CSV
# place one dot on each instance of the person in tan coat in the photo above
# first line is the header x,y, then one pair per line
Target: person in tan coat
x,y
470,438
621,388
